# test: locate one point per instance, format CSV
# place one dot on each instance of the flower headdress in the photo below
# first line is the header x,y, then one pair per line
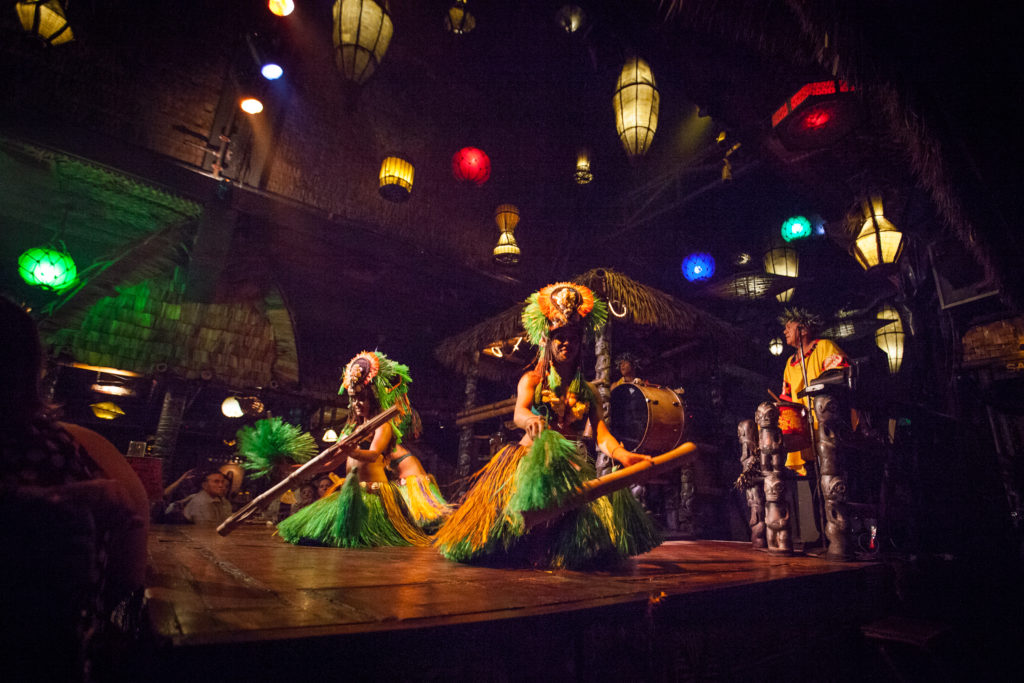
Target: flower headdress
x,y
559,305
389,382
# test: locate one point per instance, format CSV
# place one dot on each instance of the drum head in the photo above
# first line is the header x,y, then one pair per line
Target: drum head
x,y
647,418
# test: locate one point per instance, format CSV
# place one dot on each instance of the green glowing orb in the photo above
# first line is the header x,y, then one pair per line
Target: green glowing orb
x,y
47,268
796,227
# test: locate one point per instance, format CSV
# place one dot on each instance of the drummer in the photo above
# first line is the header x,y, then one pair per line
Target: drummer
x,y
800,329
628,365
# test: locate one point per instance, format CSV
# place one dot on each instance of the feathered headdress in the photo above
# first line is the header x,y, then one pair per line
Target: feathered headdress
x,y
562,304
802,316
271,441
389,381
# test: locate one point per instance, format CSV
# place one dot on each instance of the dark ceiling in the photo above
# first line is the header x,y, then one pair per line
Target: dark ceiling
x,y
358,272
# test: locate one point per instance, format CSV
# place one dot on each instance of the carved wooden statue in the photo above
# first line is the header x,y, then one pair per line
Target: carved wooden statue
x,y
832,427
773,463
751,481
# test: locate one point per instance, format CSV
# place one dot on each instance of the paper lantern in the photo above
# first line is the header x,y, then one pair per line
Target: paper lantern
x,y
571,18
47,268
776,345
45,19
795,228
879,243
782,261
396,176
470,164
636,107
507,217
890,337
698,266
458,20
506,252
362,33
583,175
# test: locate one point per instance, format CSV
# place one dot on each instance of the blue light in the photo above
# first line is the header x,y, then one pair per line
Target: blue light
x,y
795,228
698,266
271,71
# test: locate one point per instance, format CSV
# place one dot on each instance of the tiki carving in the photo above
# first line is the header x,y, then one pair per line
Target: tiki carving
x,y
778,534
751,481
831,429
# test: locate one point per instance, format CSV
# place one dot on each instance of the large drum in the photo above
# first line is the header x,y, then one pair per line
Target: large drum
x,y
647,418
796,431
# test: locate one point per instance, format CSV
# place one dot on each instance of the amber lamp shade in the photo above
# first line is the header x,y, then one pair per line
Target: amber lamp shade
x,y
635,103
396,176
878,243
46,19
782,261
362,33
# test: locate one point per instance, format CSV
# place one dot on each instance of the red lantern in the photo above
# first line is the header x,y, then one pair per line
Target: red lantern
x,y
471,164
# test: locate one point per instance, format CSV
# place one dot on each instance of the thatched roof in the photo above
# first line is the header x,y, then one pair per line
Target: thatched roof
x,y
631,303
148,328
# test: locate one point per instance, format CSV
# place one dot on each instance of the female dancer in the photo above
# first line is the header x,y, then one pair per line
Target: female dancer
x,y
367,510
556,408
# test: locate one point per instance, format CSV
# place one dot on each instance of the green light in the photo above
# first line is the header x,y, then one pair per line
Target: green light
x,y
795,228
47,268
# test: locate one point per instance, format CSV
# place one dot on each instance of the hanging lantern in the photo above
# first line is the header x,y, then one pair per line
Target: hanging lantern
x,y
776,345
471,165
698,266
458,20
50,269
507,217
782,261
583,174
879,242
107,410
362,32
45,19
506,252
281,8
396,177
330,436
795,228
571,18
230,407
890,337
817,115
636,107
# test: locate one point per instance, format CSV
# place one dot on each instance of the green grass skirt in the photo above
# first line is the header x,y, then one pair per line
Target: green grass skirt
x,y
424,501
354,517
487,528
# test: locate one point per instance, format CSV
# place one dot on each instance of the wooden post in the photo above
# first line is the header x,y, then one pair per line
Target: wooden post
x,y
602,368
172,412
465,461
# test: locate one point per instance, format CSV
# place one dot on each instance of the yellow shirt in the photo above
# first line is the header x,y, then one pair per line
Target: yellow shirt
x,y
824,355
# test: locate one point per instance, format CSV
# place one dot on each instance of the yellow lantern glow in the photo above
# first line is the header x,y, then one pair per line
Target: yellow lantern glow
x,y
362,33
507,251
330,436
776,345
281,8
879,242
583,174
396,176
636,107
46,19
107,410
458,20
890,337
507,217
783,261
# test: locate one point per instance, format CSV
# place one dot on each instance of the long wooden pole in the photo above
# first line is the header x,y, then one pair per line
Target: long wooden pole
x,y
264,499
609,483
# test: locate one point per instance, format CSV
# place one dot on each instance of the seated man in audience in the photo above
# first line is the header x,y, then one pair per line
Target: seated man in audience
x,y
210,505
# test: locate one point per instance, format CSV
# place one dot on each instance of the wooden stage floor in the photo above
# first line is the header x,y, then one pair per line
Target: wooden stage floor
x,y
263,608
